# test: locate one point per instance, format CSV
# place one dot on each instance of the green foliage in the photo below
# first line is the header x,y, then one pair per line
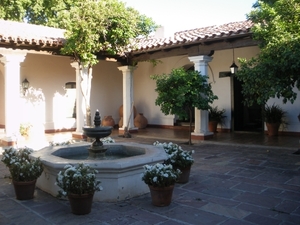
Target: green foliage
x,y
214,114
92,26
182,91
273,114
79,179
102,26
43,12
275,72
21,166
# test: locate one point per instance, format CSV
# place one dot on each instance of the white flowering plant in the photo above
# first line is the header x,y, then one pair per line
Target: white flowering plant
x,y
20,165
107,140
77,179
160,175
177,157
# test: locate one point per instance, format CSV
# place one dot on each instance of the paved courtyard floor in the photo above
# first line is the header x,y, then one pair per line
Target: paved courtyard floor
x,y
231,183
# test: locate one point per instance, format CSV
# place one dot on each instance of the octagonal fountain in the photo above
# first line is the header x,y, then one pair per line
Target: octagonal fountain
x,y
119,165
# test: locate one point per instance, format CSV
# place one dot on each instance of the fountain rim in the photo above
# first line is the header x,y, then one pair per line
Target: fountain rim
x,y
50,160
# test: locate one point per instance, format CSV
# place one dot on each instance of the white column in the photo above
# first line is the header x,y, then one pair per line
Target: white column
x,y
11,62
201,131
127,97
80,107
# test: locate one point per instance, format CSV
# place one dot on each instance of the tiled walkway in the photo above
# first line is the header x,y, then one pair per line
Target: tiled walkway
x,y
237,179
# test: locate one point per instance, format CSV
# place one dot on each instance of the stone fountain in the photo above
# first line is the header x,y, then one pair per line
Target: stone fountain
x,y
97,149
120,176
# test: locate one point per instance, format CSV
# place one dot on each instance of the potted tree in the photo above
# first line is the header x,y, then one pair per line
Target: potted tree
x,y
215,117
79,184
179,159
273,116
160,179
24,171
181,91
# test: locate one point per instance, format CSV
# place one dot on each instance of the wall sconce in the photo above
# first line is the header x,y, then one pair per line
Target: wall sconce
x,y
25,85
233,67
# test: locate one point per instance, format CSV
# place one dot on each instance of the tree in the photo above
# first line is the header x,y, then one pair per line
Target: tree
x,y
103,28
275,72
93,28
181,92
42,12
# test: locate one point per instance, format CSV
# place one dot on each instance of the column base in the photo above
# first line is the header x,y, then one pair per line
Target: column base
x,y
131,130
8,141
202,136
78,135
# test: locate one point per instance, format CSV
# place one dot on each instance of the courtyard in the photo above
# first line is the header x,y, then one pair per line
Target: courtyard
x,y
236,179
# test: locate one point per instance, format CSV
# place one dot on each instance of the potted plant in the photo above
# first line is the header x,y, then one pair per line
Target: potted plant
x,y
273,116
215,117
179,159
79,184
160,179
24,171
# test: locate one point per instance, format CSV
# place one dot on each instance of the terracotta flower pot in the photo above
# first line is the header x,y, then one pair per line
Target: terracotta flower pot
x,y
185,175
273,128
161,196
81,204
212,126
24,190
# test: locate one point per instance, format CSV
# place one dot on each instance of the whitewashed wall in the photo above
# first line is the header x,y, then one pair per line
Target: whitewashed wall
x,y
45,104
2,114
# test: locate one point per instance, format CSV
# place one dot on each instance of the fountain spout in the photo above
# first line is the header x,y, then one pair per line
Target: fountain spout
x,y
97,149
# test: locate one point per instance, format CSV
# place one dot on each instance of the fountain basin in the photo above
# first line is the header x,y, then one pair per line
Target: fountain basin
x,y
120,178
97,132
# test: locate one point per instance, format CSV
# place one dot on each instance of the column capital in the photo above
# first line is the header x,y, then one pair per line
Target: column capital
x,y
200,58
11,56
74,65
127,68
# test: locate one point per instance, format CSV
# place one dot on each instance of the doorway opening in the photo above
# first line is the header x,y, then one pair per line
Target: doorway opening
x,y
245,118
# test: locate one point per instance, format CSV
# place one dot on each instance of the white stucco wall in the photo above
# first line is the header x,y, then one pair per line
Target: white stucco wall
x,y
291,116
144,88
107,90
2,113
47,76
45,104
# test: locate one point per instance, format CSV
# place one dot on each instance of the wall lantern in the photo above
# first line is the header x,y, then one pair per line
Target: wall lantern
x,y
25,85
233,67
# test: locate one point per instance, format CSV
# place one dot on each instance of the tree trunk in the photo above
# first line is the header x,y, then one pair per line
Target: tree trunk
x,y
85,85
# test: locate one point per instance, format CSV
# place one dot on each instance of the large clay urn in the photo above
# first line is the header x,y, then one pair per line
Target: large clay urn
x,y
108,121
140,121
121,111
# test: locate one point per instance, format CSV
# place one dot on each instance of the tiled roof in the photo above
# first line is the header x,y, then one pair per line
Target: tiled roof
x,y
32,36
205,34
36,36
